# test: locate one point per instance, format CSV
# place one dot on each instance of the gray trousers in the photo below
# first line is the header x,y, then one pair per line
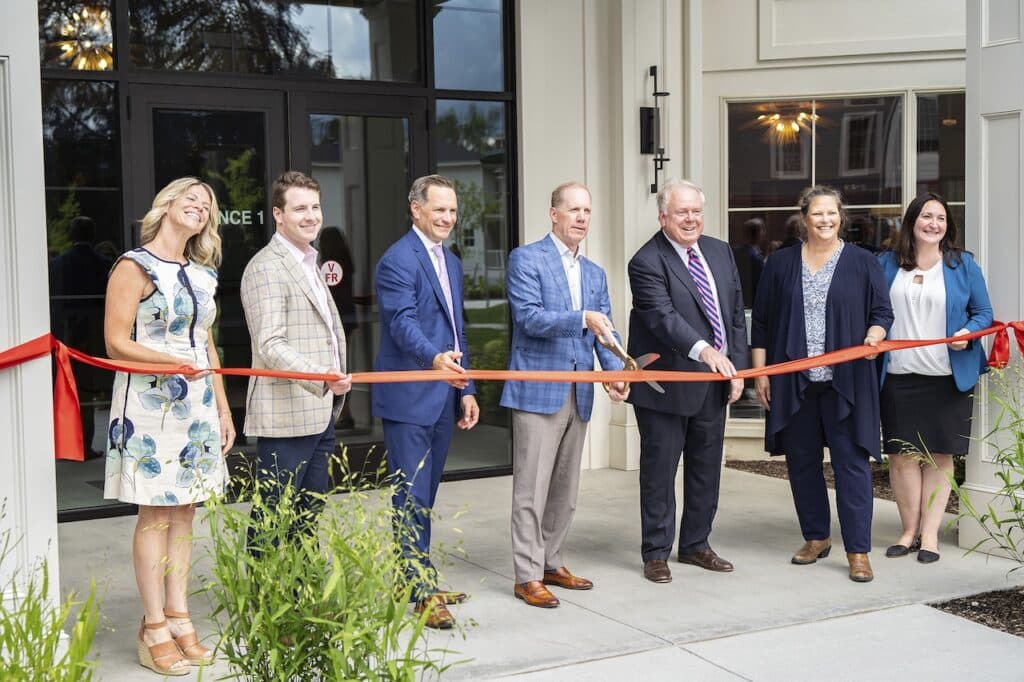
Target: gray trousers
x,y
545,482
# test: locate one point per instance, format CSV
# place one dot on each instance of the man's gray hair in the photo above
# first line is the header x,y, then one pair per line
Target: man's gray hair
x,y
672,185
420,186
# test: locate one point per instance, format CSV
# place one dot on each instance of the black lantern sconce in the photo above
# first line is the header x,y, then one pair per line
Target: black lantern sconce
x,y
650,131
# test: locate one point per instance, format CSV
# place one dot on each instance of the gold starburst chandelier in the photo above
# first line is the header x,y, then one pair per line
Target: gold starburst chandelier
x,y
785,128
86,39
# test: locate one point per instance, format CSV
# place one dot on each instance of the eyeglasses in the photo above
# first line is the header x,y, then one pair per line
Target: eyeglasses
x,y
687,213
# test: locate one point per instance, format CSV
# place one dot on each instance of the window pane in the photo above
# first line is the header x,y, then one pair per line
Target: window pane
x,y
353,39
769,153
84,232
469,45
874,229
76,36
471,152
940,145
859,148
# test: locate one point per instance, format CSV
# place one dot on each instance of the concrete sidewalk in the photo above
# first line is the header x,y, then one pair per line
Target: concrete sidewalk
x,y
767,620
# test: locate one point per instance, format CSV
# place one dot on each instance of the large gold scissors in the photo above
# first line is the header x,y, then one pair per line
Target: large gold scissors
x,y
628,362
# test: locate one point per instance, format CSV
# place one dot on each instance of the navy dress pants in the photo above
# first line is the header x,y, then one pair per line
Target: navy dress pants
x,y
663,438
416,456
301,461
803,440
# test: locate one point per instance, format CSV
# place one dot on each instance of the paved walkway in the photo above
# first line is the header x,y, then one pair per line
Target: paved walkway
x,y
769,620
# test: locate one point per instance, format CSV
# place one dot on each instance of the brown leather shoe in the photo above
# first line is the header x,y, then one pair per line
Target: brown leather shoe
x,y
438,615
452,597
563,578
656,570
860,567
812,551
535,594
706,559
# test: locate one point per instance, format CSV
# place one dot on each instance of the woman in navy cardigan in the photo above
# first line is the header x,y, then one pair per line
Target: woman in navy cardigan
x,y
937,290
814,298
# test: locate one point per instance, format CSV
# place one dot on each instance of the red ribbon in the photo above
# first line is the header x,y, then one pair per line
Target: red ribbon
x,y
67,425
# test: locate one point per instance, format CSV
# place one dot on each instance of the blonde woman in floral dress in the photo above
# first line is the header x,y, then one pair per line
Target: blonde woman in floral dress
x,y
168,433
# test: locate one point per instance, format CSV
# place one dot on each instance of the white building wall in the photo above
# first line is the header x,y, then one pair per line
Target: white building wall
x,y
995,203
582,78
27,486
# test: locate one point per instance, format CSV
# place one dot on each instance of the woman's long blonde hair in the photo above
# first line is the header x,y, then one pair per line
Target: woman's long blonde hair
x,y
203,248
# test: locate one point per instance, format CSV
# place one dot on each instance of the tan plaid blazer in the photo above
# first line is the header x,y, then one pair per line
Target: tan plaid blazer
x,y
288,332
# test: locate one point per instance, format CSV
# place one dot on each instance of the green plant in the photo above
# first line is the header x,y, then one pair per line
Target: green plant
x,y
31,627
1002,520
331,605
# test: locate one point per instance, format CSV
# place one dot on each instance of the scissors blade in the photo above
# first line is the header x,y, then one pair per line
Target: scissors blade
x,y
643,361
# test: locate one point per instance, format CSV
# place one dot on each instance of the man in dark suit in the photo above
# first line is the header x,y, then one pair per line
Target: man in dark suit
x,y
688,308
419,293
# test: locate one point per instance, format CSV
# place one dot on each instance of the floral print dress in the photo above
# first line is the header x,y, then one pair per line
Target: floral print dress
x,y
163,444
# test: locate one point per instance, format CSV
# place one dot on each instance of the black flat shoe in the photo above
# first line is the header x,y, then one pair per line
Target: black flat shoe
x,y
897,551
927,556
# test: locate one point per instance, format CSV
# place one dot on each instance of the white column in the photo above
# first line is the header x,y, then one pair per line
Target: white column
x,y
27,484
995,201
583,76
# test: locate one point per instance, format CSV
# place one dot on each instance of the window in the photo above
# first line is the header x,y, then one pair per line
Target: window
x,y
777,148
468,46
350,39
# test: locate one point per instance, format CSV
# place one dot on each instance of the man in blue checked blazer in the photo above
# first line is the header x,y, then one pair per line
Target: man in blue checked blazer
x,y
419,294
559,304
687,308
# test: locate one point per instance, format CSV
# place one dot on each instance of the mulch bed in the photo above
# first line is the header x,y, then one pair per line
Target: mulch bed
x,y
776,468
999,609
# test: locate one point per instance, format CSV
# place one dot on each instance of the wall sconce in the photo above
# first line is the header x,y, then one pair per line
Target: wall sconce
x,y
650,130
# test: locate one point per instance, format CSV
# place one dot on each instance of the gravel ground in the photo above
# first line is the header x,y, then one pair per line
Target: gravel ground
x,y
1000,609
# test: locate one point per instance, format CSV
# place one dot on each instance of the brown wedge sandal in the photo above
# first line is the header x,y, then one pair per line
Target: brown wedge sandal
x,y
163,658
195,653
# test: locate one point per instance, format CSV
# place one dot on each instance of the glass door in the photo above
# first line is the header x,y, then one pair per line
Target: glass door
x,y
365,153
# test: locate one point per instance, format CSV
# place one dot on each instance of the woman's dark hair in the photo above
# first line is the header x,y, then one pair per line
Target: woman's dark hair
x,y
812,193
905,247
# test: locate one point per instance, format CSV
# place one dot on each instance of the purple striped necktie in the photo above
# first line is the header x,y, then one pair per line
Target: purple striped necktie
x,y
446,288
700,277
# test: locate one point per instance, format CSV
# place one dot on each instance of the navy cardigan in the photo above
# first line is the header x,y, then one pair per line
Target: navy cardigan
x,y
967,307
857,299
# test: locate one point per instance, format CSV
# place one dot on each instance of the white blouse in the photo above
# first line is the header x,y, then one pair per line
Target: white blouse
x,y
919,308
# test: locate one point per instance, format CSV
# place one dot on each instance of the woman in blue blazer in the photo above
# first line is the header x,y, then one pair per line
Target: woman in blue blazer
x,y
937,290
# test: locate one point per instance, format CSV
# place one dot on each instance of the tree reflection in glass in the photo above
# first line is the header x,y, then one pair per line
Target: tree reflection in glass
x,y
353,39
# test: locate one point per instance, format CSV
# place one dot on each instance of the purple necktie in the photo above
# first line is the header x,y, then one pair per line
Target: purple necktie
x,y
700,277
446,287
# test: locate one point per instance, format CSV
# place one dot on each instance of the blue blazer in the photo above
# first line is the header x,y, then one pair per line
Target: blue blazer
x,y
414,328
967,307
547,333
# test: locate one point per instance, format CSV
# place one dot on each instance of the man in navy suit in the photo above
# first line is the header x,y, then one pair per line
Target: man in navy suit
x,y
419,294
688,308
559,304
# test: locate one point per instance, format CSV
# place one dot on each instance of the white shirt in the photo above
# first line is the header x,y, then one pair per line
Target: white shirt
x,y
919,312
307,261
701,344
573,272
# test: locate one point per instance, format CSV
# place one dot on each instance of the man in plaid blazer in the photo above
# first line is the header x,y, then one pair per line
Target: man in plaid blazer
x,y
419,294
559,302
294,326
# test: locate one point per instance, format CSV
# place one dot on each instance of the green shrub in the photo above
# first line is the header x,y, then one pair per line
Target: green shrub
x,y
31,627
326,606
1003,522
